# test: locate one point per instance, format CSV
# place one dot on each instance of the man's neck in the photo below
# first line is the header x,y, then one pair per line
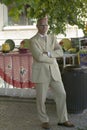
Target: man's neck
x,y
42,35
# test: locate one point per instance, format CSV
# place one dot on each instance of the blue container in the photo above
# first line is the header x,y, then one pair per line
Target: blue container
x,y
83,59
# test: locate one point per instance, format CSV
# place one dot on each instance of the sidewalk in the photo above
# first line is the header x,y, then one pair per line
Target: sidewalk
x,y
21,114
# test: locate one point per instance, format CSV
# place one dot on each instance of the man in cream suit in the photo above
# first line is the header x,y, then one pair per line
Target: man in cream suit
x,y
46,74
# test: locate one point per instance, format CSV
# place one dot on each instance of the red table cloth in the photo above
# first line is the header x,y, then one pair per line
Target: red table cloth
x,y
15,69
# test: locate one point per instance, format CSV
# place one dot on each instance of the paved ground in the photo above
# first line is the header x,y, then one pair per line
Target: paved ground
x,y
21,114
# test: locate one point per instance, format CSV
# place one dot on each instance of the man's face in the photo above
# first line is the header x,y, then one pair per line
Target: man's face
x,y
42,26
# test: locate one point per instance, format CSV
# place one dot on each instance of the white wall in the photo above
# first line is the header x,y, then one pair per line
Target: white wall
x,y
17,33
72,32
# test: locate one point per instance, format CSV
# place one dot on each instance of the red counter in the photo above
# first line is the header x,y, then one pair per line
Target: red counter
x,y
15,69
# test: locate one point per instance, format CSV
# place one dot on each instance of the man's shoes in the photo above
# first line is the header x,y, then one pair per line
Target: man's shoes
x,y
45,125
66,124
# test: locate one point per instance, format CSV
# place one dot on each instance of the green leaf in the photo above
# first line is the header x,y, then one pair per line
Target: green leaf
x,y
60,12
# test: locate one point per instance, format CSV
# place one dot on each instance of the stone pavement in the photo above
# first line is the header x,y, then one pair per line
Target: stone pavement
x,y
21,114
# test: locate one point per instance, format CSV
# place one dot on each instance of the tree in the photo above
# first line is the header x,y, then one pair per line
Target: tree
x,y
60,12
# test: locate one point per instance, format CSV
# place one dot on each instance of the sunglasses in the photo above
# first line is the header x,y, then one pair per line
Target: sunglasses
x,y
42,25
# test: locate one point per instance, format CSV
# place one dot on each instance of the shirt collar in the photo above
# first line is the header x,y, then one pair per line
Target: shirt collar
x,y
42,35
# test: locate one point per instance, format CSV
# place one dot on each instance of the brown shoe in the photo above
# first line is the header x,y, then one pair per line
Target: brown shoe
x,y
45,125
66,124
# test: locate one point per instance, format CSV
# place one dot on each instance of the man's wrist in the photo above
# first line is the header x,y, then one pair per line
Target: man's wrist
x,y
49,54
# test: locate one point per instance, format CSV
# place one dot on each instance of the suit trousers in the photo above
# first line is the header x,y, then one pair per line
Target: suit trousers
x,y
59,94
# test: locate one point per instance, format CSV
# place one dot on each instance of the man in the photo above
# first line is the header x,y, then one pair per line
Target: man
x,y
45,73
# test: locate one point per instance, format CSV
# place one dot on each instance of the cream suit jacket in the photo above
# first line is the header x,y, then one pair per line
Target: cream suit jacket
x,y
42,63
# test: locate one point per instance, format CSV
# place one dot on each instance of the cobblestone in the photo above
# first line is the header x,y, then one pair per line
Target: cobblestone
x,y
21,114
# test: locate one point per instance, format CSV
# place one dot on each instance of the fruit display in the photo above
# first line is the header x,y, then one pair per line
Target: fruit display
x,y
11,44
5,47
83,51
72,50
85,29
24,44
67,46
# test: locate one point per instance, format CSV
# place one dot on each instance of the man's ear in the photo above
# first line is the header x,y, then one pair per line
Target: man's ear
x,y
37,25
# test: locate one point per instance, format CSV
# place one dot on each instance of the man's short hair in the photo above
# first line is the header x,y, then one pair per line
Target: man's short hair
x,y
42,19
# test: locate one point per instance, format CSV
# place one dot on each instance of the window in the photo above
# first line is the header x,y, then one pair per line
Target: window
x,y
22,19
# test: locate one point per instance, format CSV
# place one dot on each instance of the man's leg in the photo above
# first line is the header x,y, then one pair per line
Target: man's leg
x,y
41,93
60,99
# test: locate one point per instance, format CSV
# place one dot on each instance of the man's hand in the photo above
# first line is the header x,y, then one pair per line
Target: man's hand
x,y
45,52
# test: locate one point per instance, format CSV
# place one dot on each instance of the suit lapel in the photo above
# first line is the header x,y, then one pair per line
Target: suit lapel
x,y
44,44
41,42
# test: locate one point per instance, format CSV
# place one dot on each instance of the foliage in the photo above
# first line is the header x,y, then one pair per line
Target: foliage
x,y
60,12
